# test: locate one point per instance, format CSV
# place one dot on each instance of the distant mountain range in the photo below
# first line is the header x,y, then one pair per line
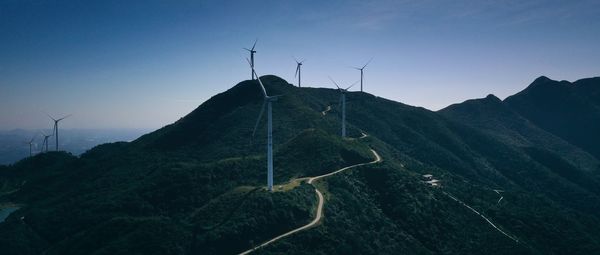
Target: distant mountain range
x,y
13,146
514,176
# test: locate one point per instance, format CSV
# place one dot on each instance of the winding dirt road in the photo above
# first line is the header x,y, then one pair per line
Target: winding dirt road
x,y
326,110
319,213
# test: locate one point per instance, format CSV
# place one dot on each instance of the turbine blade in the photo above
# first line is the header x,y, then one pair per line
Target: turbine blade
x,y
247,49
262,87
264,91
351,86
298,61
50,116
334,82
262,110
254,43
367,63
64,117
297,69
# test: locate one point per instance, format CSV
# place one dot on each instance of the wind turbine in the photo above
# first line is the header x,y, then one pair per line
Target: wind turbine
x,y
56,128
45,141
267,100
252,51
343,103
298,70
361,73
30,143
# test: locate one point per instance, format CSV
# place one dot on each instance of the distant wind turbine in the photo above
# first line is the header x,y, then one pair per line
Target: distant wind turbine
x,y
267,100
343,103
252,51
298,70
30,144
56,127
45,141
361,73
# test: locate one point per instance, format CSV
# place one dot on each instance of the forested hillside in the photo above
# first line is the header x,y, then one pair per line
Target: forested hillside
x,y
519,176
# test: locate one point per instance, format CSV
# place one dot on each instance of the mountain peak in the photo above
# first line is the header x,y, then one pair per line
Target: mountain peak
x,y
541,79
492,97
272,78
490,103
544,85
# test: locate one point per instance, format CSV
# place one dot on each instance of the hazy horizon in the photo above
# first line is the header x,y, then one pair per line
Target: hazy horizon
x,y
14,147
145,65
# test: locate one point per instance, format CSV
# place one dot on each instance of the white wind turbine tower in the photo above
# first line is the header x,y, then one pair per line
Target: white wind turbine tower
x,y
56,128
298,70
252,51
267,100
45,141
361,73
343,103
30,144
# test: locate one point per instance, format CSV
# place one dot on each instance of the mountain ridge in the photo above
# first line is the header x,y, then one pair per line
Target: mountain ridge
x,y
564,109
209,159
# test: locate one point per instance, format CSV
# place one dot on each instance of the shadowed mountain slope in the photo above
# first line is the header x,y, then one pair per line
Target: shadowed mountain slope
x,y
496,118
568,110
197,185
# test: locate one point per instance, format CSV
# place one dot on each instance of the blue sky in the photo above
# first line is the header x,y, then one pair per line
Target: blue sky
x,y
145,64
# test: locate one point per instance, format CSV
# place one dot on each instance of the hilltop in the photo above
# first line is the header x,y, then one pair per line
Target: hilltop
x,y
568,110
511,180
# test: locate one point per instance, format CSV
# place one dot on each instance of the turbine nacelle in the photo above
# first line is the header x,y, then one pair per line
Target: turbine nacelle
x,y
361,68
342,90
44,134
31,141
298,64
55,131
298,71
57,120
45,142
343,103
361,73
252,51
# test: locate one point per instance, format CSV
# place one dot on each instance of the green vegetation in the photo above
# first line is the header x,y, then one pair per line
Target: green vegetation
x,y
262,216
386,210
568,110
197,185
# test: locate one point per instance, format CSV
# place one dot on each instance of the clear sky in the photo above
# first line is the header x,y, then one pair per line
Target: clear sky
x,y
145,64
